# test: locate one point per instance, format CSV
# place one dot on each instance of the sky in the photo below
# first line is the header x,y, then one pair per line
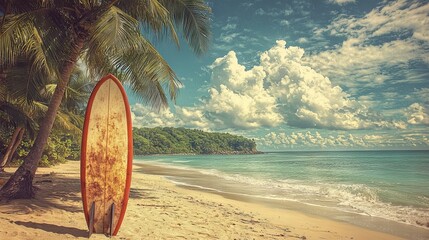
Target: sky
x,y
306,75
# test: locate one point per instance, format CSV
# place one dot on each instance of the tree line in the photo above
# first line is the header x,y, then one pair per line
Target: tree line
x,y
160,140
170,140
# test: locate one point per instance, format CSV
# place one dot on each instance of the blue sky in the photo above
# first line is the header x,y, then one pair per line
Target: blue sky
x,y
306,75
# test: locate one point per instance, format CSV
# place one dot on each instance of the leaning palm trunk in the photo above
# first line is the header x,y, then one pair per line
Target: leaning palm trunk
x,y
14,142
20,185
16,145
9,148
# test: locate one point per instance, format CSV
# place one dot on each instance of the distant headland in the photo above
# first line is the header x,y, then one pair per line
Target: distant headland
x,y
168,140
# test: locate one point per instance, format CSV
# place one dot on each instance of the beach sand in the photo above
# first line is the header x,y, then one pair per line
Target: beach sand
x,y
158,209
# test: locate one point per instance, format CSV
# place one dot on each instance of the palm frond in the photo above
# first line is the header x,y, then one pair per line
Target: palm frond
x,y
20,85
150,70
193,16
37,36
128,55
117,30
152,16
76,94
47,48
23,6
17,116
64,120
15,31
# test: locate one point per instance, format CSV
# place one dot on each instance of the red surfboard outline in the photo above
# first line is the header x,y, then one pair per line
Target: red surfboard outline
x,y
130,150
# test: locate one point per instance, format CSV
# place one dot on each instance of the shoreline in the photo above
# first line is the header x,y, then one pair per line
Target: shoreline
x,y
197,181
159,209
203,154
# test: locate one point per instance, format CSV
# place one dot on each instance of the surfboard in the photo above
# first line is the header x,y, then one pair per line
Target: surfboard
x,y
106,157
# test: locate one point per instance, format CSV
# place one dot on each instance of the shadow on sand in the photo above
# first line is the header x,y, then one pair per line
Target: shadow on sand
x,y
54,228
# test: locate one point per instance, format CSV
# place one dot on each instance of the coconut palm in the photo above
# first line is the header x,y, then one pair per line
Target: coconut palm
x,y
107,36
17,94
23,106
14,119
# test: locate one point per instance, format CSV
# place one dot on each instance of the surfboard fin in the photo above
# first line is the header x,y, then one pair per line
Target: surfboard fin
x,y
91,218
112,215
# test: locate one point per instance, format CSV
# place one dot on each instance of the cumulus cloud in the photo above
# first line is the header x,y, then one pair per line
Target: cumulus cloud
x,y
238,98
280,90
193,117
418,114
309,99
144,116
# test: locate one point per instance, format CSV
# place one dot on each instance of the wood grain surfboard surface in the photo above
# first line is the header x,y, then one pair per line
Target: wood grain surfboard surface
x,y
106,155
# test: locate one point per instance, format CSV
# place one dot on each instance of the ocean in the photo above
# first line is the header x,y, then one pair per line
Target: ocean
x,y
392,185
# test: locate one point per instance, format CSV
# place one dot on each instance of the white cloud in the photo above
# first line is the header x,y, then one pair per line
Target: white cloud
x,y
417,114
284,22
144,116
280,90
228,38
394,17
361,61
247,4
302,40
315,139
238,98
332,140
274,12
260,11
192,117
229,26
287,12
341,2
309,99
390,35
422,93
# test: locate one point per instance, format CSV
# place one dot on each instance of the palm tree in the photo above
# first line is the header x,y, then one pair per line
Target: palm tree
x,y
24,104
17,94
107,36
14,118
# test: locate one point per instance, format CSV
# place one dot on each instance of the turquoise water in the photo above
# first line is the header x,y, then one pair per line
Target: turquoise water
x,y
389,184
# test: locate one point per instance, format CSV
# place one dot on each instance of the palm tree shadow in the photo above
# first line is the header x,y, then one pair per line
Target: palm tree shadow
x,y
76,232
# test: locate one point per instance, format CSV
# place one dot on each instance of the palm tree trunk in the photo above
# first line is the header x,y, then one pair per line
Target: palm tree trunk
x,y
16,145
20,184
9,148
15,141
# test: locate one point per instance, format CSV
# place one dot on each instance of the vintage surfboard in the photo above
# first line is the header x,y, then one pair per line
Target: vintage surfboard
x,y
106,157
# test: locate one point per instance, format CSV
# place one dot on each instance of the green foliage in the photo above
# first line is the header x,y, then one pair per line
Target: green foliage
x,y
188,141
60,148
